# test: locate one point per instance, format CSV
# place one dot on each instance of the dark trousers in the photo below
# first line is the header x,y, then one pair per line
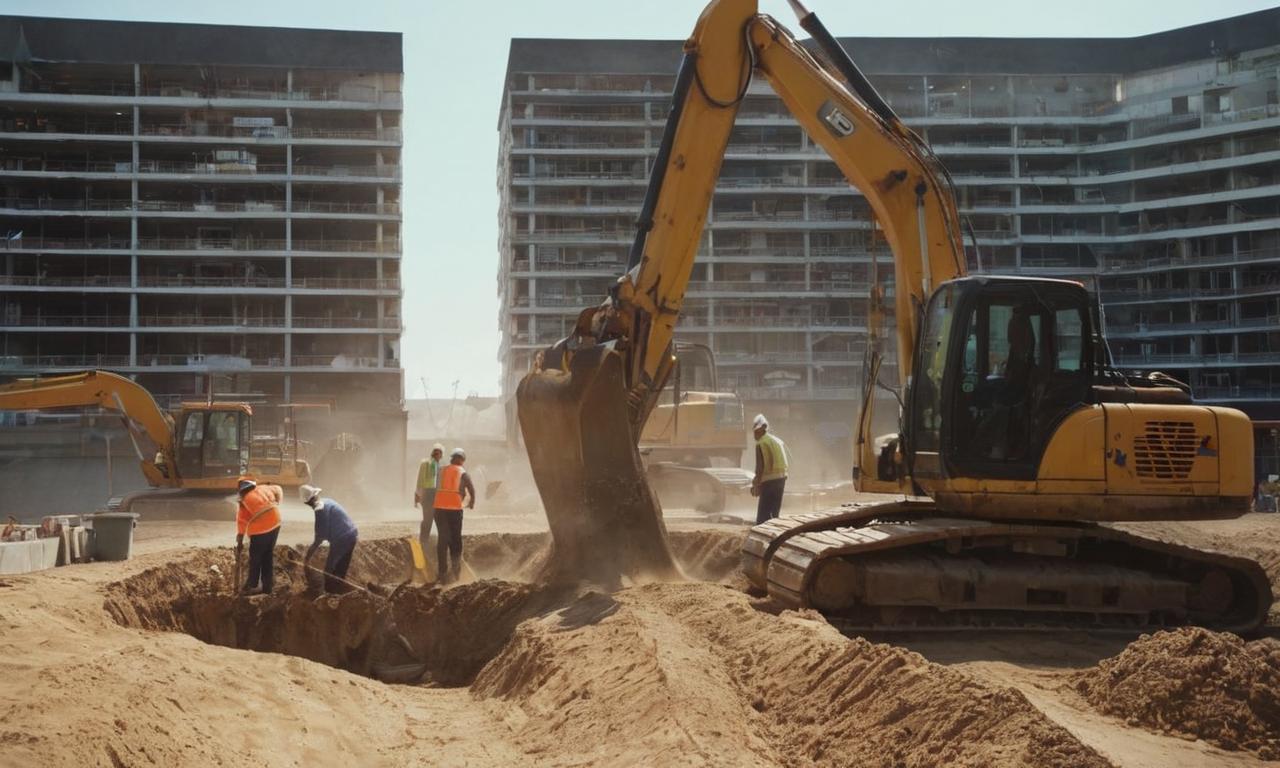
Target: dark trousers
x,y
336,565
261,561
770,501
448,543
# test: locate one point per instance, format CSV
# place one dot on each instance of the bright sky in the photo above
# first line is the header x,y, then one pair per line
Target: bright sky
x,y
455,56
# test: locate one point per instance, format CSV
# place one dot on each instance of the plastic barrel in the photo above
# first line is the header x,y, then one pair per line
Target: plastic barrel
x,y
113,535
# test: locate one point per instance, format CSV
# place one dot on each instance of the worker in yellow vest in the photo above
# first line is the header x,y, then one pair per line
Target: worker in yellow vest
x,y
455,485
771,470
424,492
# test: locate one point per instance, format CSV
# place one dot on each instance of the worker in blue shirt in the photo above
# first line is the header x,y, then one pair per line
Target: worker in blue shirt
x,y
335,526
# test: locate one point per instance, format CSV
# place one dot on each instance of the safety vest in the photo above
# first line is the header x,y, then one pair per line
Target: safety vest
x,y
774,453
449,494
428,474
258,511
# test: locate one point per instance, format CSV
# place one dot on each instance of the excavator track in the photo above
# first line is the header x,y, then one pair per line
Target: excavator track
x,y
904,565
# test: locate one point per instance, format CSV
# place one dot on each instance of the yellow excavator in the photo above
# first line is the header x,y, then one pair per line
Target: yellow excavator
x,y
692,441
1017,436
203,446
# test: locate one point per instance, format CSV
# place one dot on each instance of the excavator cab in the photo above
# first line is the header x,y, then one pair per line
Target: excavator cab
x,y
213,441
1001,362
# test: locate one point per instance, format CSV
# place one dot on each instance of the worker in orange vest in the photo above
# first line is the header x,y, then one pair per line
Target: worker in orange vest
x,y
453,488
259,516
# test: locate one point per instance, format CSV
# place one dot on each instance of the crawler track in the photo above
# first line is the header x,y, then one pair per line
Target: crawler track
x,y
901,565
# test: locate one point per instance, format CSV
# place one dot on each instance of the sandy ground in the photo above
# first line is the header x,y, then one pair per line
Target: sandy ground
x,y
694,673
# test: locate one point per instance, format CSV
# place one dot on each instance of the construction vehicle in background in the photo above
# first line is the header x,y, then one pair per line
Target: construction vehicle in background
x,y
201,447
692,442
1017,436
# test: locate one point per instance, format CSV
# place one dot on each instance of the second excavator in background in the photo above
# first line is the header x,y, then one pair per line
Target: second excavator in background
x,y
1018,439
201,448
692,442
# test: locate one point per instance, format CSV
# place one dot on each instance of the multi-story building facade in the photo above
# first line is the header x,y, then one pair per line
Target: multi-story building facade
x,y
1148,168
205,208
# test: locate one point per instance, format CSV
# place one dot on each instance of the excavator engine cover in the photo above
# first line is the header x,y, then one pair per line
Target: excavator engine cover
x,y
606,524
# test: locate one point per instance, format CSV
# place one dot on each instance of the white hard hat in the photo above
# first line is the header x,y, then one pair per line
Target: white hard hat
x,y
307,492
438,447
760,421
458,453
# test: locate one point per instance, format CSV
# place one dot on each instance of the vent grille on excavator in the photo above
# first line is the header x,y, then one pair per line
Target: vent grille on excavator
x,y
1166,450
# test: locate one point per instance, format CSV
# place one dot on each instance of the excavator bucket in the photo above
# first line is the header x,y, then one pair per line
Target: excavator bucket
x,y
606,524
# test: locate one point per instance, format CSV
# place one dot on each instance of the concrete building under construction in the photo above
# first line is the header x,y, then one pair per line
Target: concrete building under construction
x,y
1148,168
206,208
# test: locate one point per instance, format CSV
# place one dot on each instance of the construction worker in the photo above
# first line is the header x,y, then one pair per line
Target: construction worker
x,y
454,486
335,526
771,470
259,516
424,492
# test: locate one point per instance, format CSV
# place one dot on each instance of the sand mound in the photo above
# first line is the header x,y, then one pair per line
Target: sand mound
x,y
1192,681
709,555
692,674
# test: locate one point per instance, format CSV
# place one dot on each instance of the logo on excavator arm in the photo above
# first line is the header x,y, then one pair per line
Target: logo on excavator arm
x,y
836,121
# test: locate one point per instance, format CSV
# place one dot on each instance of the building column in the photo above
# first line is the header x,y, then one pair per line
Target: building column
x,y
133,223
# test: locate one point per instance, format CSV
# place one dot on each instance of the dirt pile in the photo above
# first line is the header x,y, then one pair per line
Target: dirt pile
x,y
1211,685
692,673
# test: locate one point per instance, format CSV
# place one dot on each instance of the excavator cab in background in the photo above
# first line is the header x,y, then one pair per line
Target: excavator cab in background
x,y
693,440
201,446
214,442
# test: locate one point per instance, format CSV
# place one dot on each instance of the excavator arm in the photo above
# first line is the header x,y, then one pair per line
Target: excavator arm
x,y
582,407
150,428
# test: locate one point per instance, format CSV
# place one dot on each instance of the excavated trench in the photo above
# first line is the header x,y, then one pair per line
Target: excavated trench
x,y
394,632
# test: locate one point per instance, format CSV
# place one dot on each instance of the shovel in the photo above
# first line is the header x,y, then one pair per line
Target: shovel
x,y
235,585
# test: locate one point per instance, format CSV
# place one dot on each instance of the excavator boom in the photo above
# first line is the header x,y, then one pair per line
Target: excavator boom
x,y
150,427
606,377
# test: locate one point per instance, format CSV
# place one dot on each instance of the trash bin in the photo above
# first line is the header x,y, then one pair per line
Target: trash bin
x,y
113,535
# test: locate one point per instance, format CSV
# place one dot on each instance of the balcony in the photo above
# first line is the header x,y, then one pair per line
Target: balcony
x,y
348,171
64,244
65,321
341,361
1197,360
574,236
768,322
208,91
798,393
265,244
603,267
45,362
256,133
1236,393
317,206
1189,262
73,281
769,287
346,322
